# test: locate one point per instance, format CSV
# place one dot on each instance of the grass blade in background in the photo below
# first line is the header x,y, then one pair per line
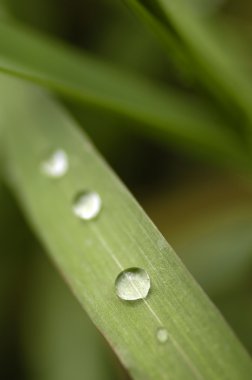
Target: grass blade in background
x,y
176,51
216,66
172,116
91,254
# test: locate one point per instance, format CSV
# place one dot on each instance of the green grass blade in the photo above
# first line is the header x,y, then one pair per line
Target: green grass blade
x,y
175,48
90,255
169,115
219,68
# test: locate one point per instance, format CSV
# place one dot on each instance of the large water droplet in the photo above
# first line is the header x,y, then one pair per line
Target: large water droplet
x,y
87,205
162,335
56,165
132,284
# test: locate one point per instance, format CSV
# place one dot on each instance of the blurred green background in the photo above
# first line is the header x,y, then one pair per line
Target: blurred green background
x,y
203,210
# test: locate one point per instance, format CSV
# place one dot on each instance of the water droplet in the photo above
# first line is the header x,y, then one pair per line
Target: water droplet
x,y
87,205
56,165
162,335
132,284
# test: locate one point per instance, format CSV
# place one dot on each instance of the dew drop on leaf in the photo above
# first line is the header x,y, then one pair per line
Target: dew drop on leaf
x,y
162,335
56,165
87,205
132,284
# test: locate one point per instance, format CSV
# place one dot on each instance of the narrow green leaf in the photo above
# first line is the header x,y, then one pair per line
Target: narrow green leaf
x,y
171,116
175,48
217,66
91,254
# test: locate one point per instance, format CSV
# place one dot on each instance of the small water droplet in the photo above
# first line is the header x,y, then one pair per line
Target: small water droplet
x,y
162,335
87,205
56,165
132,284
